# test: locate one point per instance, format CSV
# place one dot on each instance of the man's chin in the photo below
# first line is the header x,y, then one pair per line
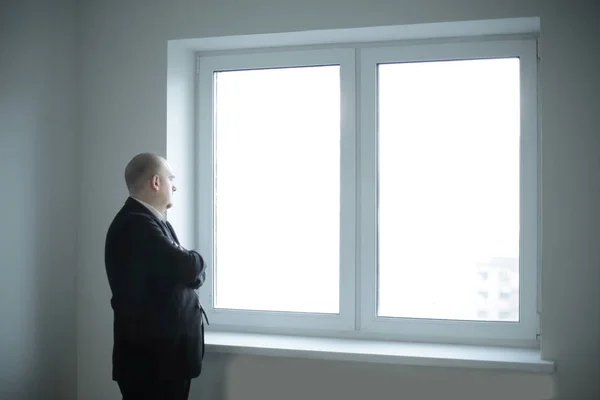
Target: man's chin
x,y
169,205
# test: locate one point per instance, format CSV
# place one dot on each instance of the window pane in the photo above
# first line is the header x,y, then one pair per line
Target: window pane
x,y
449,190
277,191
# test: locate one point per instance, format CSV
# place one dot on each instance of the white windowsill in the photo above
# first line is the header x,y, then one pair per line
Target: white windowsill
x,y
420,354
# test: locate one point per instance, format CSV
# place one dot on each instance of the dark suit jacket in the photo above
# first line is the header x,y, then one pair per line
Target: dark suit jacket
x,y
158,328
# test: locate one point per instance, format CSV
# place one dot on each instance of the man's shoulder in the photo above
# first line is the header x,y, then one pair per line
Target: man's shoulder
x,y
126,226
131,217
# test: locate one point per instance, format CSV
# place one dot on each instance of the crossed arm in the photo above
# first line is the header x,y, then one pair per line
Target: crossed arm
x,y
164,259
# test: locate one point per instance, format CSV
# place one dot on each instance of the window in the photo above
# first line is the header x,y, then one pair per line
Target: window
x,y
371,191
448,186
277,186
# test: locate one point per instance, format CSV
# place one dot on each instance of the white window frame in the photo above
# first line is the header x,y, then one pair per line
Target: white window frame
x,y
358,219
345,319
431,329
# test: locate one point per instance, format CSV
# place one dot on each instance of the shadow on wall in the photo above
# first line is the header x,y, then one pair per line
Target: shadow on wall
x,y
55,243
37,143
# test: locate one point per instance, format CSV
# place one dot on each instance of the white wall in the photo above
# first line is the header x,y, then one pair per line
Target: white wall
x,y
38,200
125,111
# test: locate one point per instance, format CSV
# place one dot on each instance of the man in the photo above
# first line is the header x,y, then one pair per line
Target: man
x,y
158,327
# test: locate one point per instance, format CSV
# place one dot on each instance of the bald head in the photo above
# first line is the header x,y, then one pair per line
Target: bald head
x,y
149,178
140,169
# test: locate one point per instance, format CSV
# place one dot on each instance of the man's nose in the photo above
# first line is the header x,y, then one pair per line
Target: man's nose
x,y
174,188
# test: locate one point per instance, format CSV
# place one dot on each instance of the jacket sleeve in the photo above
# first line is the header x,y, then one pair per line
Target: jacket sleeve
x,y
199,281
163,258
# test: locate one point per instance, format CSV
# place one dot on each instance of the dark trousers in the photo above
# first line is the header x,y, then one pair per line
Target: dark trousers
x,y
155,390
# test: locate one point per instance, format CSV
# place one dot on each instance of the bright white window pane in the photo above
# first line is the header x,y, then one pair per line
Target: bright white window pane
x,y
277,190
449,190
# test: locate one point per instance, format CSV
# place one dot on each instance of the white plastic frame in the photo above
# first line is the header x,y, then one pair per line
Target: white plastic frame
x,y
526,329
208,65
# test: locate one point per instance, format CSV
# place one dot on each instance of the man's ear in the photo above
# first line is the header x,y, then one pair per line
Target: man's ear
x,y
155,182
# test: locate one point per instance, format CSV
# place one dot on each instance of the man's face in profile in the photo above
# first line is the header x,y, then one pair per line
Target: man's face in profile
x,y
167,187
